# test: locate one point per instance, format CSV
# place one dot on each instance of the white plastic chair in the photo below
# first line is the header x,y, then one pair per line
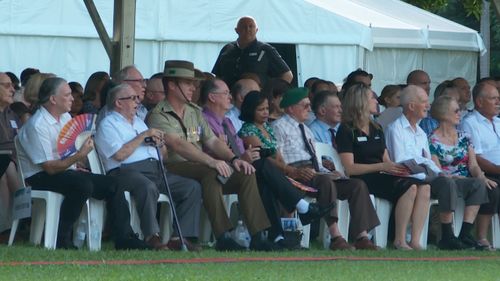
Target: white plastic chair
x,y
165,217
95,209
45,212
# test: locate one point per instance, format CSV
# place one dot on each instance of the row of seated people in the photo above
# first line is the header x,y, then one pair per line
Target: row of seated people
x,y
44,169
217,100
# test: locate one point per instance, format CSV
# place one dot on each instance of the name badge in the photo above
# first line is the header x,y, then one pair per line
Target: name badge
x,y
362,139
13,124
252,54
377,137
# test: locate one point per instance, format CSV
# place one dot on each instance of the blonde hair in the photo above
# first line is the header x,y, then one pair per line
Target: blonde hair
x,y
356,106
33,87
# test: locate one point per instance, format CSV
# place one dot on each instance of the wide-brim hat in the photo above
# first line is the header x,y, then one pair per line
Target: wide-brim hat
x,y
293,96
179,69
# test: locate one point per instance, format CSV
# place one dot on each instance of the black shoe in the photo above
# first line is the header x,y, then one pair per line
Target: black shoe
x,y
261,243
286,244
131,243
469,242
451,244
225,244
65,244
315,212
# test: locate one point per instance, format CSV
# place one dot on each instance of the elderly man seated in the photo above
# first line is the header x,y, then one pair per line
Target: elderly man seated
x,y
296,145
405,141
120,140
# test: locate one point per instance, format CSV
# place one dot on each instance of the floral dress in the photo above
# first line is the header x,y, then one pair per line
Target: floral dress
x,y
249,130
454,159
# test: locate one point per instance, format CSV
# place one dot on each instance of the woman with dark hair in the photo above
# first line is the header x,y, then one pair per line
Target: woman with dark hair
x,y
77,93
93,90
274,186
389,98
362,150
274,91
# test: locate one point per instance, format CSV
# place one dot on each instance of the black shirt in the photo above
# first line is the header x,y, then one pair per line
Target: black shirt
x,y
259,58
367,149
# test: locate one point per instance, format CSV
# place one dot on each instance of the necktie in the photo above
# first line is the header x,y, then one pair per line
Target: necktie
x,y
334,143
309,148
232,141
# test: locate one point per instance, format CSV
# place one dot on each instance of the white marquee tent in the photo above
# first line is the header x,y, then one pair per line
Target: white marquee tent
x,y
388,38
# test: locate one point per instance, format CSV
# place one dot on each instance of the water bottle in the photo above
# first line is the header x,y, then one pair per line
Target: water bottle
x,y
95,235
241,235
80,234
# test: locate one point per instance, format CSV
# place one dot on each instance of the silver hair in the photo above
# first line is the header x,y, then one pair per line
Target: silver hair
x,y
113,94
123,74
49,87
409,94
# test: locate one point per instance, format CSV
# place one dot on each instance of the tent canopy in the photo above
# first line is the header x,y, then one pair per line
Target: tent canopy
x,y
59,36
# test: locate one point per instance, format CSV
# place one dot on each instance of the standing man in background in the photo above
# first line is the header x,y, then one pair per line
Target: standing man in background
x,y
248,55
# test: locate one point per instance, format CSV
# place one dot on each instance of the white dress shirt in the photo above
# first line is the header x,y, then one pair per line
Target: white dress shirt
x,y
485,135
234,115
405,143
114,131
38,139
289,139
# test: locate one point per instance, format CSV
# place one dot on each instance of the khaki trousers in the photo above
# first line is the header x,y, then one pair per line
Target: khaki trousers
x,y
245,186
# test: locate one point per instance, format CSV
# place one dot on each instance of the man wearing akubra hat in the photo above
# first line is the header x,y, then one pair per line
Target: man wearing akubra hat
x,y
186,131
296,144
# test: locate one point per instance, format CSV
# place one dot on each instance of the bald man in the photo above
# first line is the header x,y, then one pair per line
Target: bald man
x,y
248,55
421,79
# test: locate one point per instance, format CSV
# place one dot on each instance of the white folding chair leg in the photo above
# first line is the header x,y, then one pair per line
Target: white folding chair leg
x,y
495,231
46,207
458,216
13,230
425,230
95,214
343,224
383,209
205,227
37,220
134,216
166,219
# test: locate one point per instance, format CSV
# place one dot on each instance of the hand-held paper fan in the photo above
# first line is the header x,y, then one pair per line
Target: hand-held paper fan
x,y
70,132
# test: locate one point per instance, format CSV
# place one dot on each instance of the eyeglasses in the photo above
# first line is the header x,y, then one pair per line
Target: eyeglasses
x,y
7,85
304,105
136,98
141,81
227,93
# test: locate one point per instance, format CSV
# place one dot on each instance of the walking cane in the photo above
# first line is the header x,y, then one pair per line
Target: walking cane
x,y
150,140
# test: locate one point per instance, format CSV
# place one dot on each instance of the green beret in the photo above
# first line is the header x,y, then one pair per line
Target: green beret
x,y
293,96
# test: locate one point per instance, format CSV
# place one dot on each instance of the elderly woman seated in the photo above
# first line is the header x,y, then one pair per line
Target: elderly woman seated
x,y
452,151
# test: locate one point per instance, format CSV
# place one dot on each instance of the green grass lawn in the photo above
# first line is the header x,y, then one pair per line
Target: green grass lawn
x,y
341,269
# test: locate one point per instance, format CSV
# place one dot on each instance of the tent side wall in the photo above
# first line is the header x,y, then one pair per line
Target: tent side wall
x,y
391,66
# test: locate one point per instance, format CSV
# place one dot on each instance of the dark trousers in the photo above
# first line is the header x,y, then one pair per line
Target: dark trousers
x,y
144,181
77,187
274,187
493,206
355,191
447,191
